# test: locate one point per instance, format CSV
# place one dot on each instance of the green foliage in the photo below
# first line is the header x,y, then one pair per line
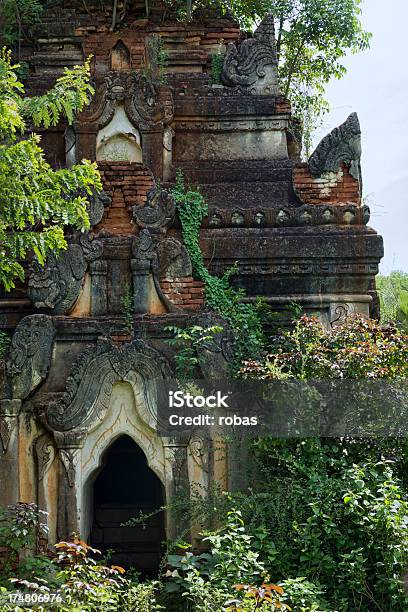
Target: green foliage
x,y
75,579
17,16
313,36
128,309
189,342
358,349
158,61
37,202
346,522
243,318
231,575
20,525
142,597
393,294
217,61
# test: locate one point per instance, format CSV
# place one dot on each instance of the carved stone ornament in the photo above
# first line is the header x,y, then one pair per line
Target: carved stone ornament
x,y
98,203
342,145
45,452
89,386
30,354
254,63
5,433
174,261
158,211
145,260
144,252
137,94
56,287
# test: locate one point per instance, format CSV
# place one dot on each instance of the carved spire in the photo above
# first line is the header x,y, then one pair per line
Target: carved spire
x,y
254,64
342,145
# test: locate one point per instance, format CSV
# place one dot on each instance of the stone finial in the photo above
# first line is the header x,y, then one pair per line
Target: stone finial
x,y
342,145
254,64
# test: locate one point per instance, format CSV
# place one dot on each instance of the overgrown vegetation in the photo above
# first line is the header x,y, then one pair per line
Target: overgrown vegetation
x,y
37,202
393,293
243,318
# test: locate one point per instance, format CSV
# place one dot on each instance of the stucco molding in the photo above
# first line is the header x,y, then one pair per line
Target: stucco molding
x,y
88,389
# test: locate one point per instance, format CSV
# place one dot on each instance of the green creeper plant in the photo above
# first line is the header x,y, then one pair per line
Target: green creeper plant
x,y
243,318
37,202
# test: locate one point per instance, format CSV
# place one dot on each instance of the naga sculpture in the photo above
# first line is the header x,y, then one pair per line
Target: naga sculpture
x,y
254,63
56,286
30,354
158,212
342,145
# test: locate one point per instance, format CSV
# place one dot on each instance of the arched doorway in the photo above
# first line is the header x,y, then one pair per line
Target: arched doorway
x,y
126,488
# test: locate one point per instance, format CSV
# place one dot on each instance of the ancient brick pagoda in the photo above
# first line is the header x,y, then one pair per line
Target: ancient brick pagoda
x,y
77,414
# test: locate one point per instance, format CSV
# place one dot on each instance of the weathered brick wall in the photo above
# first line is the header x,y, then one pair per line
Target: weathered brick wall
x,y
333,187
185,292
127,184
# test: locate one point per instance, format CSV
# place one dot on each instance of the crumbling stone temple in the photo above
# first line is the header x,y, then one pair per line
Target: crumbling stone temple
x,y
78,393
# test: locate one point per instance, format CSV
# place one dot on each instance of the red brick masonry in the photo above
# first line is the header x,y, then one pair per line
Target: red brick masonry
x,y
330,188
185,292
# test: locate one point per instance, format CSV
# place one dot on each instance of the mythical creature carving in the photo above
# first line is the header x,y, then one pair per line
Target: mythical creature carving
x,y
342,145
98,203
144,252
56,287
145,261
30,354
137,94
159,210
254,63
93,376
174,261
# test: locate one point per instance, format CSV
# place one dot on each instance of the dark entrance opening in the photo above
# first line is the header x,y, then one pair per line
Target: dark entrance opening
x,y
126,488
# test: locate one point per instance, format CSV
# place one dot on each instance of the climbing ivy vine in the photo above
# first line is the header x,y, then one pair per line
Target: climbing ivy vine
x,y
244,319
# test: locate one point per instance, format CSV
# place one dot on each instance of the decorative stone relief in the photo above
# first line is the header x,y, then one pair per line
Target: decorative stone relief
x,y
143,251
98,203
158,211
145,261
30,354
5,433
68,459
139,97
92,378
342,145
253,65
9,410
174,261
45,451
307,214
57,285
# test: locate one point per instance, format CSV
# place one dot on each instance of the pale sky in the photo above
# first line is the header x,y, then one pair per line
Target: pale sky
x,y
376,86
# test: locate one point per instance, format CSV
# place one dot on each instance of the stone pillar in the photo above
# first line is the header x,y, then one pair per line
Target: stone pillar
x,y
69,446
140,274
9,446
99,297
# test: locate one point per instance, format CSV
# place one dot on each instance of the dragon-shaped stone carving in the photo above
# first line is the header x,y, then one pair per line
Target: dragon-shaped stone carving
x,y
56,286
342,145
30,354
253,65
159,210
